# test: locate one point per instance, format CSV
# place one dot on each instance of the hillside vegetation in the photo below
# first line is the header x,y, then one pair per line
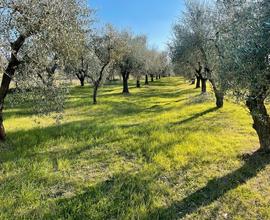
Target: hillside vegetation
x,y
162,152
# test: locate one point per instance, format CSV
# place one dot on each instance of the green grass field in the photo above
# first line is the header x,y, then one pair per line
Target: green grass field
x,y
162,152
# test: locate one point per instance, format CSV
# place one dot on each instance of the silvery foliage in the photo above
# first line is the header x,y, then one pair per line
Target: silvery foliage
x,y
183,51
195,38
99,53
52,28
126,55
78,65
157,62
139,48
245,40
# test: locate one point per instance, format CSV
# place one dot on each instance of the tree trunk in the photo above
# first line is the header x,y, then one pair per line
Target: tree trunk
x,y
146,80
97,83
125,84
81,77
6,79
138,84
219,98
218,94
203,85
152,77
159,76
3,92
156,77
261,120
198,82
82,81
95,90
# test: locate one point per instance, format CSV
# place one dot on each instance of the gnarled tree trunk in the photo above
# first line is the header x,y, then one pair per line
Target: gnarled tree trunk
x,y
81,77
6,79
203,85
219,98
82,81
218,94
261,120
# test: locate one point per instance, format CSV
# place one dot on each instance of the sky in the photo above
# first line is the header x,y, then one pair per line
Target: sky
x,y
153,18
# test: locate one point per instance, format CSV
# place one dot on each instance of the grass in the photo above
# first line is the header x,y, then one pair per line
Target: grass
x,y
163,152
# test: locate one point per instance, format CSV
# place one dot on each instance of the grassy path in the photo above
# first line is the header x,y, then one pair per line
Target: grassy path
x,y
159,153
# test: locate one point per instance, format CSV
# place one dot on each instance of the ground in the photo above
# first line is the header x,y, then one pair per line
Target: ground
x,y
162,152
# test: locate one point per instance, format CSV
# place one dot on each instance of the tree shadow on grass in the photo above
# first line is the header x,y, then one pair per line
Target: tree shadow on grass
x,y
115,198
195,116
214,189
169,94
26,143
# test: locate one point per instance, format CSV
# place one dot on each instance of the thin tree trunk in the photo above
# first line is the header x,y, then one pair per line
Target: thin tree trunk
x,y
95,90
159,76
6,79
146,80
138,84
203,85
198,82
152,77
97,83
156,77
261,120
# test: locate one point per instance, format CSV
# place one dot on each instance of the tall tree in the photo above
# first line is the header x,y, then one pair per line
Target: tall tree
x,y
245,41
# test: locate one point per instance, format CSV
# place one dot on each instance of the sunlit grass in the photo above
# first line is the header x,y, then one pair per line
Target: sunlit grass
x,y
131,157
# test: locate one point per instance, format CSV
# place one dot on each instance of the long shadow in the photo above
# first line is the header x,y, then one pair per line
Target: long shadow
x,y
20,143
214,189
197,115
169,94
110,199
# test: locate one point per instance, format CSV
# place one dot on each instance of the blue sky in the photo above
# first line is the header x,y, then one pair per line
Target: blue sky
x,y
151,17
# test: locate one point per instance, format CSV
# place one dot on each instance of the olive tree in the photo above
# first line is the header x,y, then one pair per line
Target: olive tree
x,y
140,54
78,66
128,57
199,25
153,64
245,44
101,51
30,28
186,56
164,64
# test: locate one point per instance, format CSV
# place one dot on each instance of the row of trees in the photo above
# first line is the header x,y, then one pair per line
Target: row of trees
x,y
111,51
227,43
45,43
